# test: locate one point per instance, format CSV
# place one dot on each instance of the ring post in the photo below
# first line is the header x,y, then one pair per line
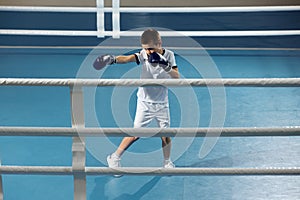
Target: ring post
x,y
100,18
78,145
116,18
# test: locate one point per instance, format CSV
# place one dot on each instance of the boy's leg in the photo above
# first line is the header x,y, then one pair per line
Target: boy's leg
x,y
166,146
125,144
163,119
143,117
114,159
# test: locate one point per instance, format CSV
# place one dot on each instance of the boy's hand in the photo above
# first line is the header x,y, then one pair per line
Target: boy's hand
x,y
157,58
103,61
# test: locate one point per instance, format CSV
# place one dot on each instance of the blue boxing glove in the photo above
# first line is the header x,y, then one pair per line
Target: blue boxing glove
x,y
103,61
156,58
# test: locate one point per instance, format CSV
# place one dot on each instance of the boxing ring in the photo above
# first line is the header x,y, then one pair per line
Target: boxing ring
x,y
79,132
79,170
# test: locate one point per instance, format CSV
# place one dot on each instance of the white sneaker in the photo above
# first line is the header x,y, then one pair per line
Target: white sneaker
x,y
168,164
113,162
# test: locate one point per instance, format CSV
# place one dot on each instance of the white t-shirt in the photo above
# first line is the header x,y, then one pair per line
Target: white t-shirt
x,y
154,94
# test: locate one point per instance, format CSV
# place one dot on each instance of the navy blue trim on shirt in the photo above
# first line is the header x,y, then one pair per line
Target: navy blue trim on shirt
x,y
136,59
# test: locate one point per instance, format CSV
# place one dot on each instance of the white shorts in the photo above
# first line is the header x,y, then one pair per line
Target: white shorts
x,y
147,111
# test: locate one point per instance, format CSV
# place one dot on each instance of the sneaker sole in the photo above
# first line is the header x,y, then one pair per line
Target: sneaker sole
x,y
115,175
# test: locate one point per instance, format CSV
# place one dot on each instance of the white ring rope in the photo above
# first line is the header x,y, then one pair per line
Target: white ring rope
x,y
47,32
51,9
179,171
163,33
233,82
144,132
151,9
183,48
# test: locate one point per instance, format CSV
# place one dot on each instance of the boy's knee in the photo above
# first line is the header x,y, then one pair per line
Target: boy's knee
x,y
131,139
166,140
135,139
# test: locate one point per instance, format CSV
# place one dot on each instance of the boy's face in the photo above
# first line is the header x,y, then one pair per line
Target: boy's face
x,y
151,47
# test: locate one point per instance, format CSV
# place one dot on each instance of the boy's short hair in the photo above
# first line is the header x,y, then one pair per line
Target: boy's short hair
x,y
150,36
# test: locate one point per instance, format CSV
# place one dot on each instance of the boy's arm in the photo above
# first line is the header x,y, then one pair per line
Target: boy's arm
x,y
125,59
104,60
174,73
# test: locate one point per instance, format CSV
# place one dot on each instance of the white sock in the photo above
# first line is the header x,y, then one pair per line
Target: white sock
x,y
114,155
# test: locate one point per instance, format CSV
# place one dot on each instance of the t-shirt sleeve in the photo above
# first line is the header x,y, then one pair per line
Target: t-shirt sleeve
x,y
139,58
172,61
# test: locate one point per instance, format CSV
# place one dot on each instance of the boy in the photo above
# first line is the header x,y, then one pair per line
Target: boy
x,y
152,101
